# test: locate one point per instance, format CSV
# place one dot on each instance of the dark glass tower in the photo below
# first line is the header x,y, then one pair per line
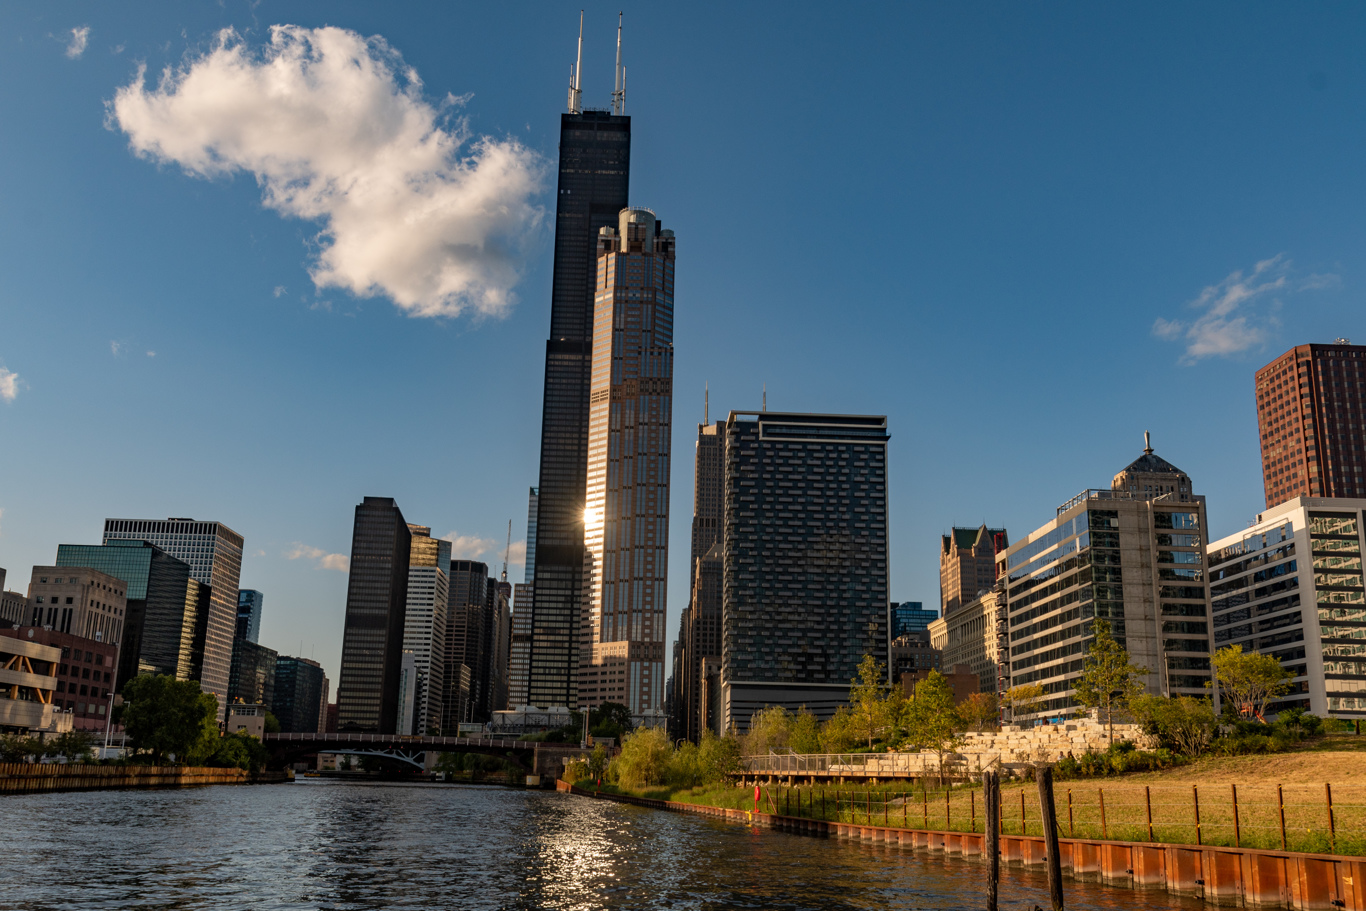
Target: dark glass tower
x,y
595,159
376,599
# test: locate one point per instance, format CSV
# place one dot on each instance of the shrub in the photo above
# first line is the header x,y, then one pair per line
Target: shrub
x,y
644,759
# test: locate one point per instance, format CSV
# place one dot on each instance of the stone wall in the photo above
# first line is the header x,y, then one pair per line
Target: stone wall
x,y
1047,742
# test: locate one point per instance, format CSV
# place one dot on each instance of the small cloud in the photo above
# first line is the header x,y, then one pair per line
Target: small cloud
x,y
517,556
468,547
321,305
115,348
151,354
118,49
339,562
9,385
1238,313
258,553
80,37
279,290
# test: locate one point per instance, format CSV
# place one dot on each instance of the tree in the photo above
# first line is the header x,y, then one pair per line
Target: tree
x,y
932,721
16,748
1109,680
1249,680
1023,699
238,750
74,746
272,723
805,736
597,762
873,707
1185,724
611,719
770,731
165,716
644,758
979,710
718,757
840,733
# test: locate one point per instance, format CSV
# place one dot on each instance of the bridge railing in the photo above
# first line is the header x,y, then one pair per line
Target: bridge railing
x,y
400,739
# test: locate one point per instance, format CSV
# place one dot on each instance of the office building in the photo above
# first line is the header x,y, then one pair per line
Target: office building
x,y
699,633
13,605
806,586
252,680
163,603
621,652
1290,586
909,616
1311,413
214,553
1133,555
407,693
499,645
424,624
914,652
249,604
300,698
970,636
81,601
466,612
85,674
519,650
594,176
376,596
967,564
28,702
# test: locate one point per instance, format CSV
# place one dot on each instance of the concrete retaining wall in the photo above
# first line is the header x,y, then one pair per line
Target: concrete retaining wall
x,y
33,778
1234,877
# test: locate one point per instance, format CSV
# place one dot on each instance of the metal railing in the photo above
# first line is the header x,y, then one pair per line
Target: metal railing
x,y
881,765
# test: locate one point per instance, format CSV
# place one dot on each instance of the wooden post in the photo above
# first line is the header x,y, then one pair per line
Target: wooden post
x,y
886,800
1104,832
948,812
1280,800
925,806
991,796
1148,799
906,808
1332,826
1195,796
1237,829
1049,821
1071,829
1023,829
972,800
868,803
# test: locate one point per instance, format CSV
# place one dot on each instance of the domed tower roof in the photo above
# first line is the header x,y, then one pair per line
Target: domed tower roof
x,y
1151,474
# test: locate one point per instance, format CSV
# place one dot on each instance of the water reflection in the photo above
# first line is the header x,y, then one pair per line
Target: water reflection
x,y
327,845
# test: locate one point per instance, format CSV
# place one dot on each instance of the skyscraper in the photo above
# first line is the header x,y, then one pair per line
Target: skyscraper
x,y
300,692
163,607
519,655
376,598
1133,555
1311,412
805,560
621,656
967,564
468,617
909,616
424,624
214,553
249,604
252,679
700,623
594,174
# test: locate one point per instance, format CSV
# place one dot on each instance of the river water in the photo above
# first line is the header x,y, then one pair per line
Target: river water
x,y
319,844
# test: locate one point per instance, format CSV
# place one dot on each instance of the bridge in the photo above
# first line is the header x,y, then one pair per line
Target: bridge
x,y
532,757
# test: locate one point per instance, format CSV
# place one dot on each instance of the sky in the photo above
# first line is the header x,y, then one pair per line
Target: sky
x,y
256,275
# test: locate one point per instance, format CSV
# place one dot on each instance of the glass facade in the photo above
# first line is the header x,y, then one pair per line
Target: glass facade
x,y
162,609
909,616
805,592
699,633
424,625
299,692
253,674
249,604
626,517
594,171
214,554
376,596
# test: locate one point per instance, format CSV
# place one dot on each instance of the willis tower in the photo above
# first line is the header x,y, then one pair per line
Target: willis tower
x,y
595,164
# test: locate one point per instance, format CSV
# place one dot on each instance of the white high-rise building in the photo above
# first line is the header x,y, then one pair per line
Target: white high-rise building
x,y
424,625
1291,586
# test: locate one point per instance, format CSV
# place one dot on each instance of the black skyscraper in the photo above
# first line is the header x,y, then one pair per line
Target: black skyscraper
x,y
595,158
376,597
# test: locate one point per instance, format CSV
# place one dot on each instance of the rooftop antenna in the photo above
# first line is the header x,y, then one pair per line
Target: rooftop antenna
x,y
1147,444
706,404
765,396
574,81
619,88
507,552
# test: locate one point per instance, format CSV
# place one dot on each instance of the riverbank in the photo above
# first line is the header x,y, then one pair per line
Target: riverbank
x,y
1241,877
36,778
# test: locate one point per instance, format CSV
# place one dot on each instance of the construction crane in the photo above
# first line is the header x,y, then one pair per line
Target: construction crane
x,y
507,552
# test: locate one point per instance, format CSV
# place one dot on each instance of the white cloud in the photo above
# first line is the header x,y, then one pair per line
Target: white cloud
x,y
151,354
1239,312
517,557
80,37
9,385
279,289
115,348
334,128
339,562
468,547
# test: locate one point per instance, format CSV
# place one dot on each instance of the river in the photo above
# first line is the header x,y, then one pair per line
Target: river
x,y
319,844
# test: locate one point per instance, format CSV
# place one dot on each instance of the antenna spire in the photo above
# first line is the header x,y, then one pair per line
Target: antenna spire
x,y
765,396
706,404
575,83
619,86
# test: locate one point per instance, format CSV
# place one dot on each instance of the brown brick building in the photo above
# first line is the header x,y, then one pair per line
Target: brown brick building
x,y
85,674
1309,414
967,564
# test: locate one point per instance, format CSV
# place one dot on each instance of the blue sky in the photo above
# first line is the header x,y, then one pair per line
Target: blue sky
x,y
1025,232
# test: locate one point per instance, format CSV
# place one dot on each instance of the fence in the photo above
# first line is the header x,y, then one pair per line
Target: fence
x,y
21,777
883,765
1319,819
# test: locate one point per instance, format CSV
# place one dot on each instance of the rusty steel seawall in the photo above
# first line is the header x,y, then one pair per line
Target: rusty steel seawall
x,y
37,778
1231,877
